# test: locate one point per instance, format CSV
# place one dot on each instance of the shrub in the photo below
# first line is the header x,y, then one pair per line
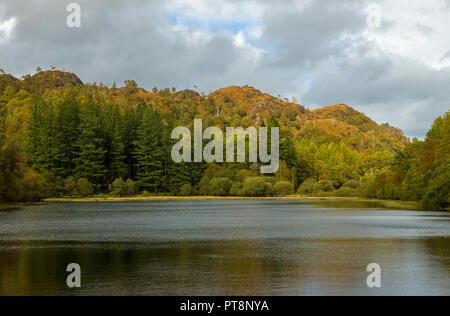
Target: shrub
x,y
70,186
307,187
123,188
219,187
283,188
146,193
323,186
54,184
352,184
242,174
131,187
34,186
117,188
236,189
185,190
84,188
256,187
346,192
270,180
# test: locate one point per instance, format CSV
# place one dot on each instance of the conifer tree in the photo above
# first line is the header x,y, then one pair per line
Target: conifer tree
x,y
148,151
68,121
118,167
90,153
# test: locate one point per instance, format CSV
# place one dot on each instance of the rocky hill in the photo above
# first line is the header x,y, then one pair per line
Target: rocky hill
x,y
236,105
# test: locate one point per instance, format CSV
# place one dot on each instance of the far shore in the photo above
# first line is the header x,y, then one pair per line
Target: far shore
x,y
388,204
406,205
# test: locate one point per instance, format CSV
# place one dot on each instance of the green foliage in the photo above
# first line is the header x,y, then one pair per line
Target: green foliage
x,y
346,191
18,183
70,186
123,188
282,188
185,190
84,188
307,187
219,187
90,153
438,195
60,137
148,151
118,167
420,172
236,189
323,186
33,187
256,187
117,188
352,184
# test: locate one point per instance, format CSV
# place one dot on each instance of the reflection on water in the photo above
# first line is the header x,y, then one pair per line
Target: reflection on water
x,y
223,248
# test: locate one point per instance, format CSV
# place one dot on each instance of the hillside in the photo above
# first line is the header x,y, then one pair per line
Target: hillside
x,y
339,121
251,106
334,121
62,137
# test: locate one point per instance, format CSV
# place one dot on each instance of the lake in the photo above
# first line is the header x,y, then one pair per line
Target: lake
x,y
223,248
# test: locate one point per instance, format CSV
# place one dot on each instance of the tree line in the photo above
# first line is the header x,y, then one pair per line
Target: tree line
x,y
91,139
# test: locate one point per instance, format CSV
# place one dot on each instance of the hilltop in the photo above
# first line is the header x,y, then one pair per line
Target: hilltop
x,y
237,105
42,80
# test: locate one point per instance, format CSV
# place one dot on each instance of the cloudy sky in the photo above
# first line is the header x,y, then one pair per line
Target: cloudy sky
x,y
320,51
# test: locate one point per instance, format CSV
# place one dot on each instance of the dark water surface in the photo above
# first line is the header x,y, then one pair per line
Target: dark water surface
x,y
223,248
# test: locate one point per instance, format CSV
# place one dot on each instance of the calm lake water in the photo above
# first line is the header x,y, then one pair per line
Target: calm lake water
x,y
223,248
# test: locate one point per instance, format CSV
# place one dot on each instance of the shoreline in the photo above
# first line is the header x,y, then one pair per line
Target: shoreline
x,y
389,204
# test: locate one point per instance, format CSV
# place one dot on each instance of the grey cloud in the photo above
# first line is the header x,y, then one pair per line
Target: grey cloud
x,y
323,42
404,91
314,33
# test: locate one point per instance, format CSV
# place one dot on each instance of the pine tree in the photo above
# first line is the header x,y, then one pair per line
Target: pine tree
x,y
41,147
148,151
90,153
118,168
130,122
68,121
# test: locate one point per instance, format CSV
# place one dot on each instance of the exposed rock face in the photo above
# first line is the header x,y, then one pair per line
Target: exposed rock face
x,y
56,79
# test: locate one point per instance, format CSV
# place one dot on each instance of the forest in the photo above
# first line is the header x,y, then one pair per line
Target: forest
x,y
60,137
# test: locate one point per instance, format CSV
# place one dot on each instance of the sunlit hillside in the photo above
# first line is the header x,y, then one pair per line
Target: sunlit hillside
x,y
61,137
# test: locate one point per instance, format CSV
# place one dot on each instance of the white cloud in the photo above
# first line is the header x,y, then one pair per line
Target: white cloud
x,y
319,51
6,29
415,29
